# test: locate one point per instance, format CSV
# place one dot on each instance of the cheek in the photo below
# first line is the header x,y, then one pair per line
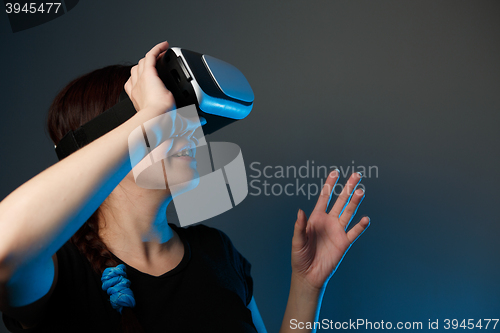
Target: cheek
x,y
161,151
180,171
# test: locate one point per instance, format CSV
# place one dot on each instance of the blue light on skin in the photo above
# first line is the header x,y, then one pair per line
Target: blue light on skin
x,y
356,210
322,293
349,200
256,317
31,282
24,289
179,179
160,230
333,187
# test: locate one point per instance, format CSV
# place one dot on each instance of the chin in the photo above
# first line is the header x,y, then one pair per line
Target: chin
x,y
181,176
184,184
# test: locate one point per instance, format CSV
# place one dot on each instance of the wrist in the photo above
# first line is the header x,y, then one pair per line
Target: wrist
x,y
304,290
151,111
304,302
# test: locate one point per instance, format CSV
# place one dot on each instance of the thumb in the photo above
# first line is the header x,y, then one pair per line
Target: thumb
x,y
299,233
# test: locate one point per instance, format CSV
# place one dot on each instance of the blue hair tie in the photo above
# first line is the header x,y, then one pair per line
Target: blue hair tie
x,y
115,283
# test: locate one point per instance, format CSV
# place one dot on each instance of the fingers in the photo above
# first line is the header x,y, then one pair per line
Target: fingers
x,y
195,140
358,229
160,55
133,75
128,86
150,58
152,55
140,66
346,194
299,232
351,208
326,192
184,125
192,126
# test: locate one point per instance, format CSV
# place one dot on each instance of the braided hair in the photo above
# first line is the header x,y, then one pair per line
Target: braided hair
x,y
80,101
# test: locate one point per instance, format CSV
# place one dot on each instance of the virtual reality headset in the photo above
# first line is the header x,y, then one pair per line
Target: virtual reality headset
x,y
219,90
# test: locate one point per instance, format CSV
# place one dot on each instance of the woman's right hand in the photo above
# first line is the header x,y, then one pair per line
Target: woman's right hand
x,y
145,88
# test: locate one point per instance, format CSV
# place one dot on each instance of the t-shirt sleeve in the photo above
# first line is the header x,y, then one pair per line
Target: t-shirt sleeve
x,y
240,264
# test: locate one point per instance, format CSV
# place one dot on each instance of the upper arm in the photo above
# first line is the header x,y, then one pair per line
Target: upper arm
x,y
29,289
256,318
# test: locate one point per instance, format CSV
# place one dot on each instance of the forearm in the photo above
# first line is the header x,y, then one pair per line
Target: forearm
x,y
42,214
303,306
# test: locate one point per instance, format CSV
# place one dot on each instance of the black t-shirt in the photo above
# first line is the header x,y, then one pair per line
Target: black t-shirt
x,y
207,292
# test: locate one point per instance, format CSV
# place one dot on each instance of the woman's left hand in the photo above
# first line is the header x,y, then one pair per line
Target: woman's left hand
x,y
320,243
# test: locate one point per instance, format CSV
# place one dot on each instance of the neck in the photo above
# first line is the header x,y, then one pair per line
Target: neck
x,y
136,229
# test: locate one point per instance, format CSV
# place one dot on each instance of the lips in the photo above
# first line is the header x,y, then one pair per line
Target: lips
x,y
186,149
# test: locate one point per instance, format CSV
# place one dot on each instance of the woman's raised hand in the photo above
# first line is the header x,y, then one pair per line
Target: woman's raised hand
x,y
320,243
145,88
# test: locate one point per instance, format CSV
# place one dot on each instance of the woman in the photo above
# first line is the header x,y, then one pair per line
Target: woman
x,y
182,279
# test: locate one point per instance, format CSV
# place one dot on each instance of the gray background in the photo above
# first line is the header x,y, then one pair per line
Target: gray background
x,y
412,87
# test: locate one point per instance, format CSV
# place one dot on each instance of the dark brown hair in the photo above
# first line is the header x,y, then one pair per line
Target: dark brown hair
x,y
80,101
